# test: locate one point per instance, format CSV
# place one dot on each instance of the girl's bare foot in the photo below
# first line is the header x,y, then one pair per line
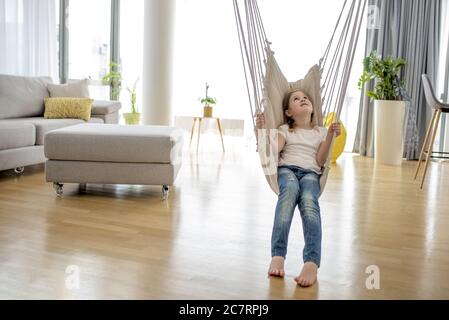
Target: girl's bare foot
x,y
277,267
307,277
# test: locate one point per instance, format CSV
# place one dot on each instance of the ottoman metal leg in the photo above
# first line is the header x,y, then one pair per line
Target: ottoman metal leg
x,y
19,170
58,188
165,192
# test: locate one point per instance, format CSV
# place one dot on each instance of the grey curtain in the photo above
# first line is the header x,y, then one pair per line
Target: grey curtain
x,y
408,29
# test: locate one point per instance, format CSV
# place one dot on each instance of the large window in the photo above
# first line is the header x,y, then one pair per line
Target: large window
x,y
207,50
131,50
89,45
89,26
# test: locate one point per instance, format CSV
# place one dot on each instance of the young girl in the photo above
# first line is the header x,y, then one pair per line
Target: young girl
x,y
304,149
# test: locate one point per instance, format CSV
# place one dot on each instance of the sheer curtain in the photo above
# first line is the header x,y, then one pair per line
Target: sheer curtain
x,y
28,39
443,75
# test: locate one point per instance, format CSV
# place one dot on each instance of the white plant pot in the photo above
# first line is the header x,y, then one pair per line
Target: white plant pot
x,y
388,131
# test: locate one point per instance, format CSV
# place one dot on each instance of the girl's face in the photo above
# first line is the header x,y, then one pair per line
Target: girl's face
x,y
299,105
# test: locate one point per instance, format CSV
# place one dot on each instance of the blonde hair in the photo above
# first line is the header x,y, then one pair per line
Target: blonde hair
x,y
285,104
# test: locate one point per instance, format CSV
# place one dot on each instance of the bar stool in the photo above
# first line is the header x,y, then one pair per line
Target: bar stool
x,y
432,128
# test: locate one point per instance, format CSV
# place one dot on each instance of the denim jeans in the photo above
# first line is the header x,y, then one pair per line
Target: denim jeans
x,y
300,187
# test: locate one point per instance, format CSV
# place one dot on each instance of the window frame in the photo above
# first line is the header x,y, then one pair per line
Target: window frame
x,y
64,34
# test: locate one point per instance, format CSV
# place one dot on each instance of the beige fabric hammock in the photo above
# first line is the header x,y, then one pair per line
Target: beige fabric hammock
x,y
267,86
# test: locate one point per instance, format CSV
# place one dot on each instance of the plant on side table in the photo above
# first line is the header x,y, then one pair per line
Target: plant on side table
x,y
208,103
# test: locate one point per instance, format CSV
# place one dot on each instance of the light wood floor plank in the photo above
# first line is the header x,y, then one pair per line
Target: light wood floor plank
x,y
211,239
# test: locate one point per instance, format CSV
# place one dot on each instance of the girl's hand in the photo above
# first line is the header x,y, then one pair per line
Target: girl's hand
x,y
334,128
260,121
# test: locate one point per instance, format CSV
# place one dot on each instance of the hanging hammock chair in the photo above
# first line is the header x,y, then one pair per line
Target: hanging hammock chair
x,y
266,85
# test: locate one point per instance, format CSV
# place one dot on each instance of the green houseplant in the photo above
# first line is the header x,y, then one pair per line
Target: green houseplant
x,y
389,109
386,73
132,117
114,80
208,103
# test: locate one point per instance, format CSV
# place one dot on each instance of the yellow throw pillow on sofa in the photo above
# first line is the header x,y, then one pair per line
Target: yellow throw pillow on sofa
x,y
74,108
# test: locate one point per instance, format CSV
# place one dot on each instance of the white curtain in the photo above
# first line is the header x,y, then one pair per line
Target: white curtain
x,y
28,39
443,74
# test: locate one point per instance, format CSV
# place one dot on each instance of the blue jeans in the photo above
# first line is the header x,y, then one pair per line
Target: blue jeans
x,y
300,187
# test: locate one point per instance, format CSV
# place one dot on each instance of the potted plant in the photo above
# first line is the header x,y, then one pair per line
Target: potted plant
x,y
208,103
114,79
132,117
389,108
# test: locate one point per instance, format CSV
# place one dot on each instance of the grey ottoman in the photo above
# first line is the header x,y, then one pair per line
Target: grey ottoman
x,y
113,154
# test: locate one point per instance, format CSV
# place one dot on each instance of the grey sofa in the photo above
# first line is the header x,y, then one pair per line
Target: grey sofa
x,y
23,126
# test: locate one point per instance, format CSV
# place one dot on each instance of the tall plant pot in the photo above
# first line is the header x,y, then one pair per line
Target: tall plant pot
x,y
388,131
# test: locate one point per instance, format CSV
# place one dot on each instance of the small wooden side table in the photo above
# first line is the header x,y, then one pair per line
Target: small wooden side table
x,y
200,119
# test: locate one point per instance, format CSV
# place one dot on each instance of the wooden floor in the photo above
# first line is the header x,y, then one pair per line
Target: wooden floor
x,y
211,239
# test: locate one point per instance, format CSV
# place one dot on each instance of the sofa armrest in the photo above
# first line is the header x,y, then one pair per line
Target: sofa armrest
x,y
106,110
102,107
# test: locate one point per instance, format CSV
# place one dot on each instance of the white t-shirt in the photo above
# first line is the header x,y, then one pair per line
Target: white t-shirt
x,y
301,147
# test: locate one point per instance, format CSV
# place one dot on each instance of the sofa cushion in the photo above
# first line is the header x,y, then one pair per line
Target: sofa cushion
x,y
16,135
22,96
77,89
114,143
68,108
43,126
105,107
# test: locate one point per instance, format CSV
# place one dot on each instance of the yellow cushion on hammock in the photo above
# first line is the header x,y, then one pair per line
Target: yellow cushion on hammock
x,y
340,141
